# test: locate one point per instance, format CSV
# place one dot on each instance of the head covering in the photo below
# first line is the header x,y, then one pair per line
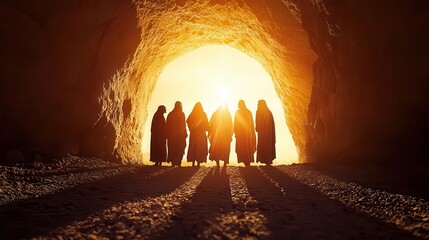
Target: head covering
x,y
198,107
222,107
178,105
262,104
161,108
241,104
196,115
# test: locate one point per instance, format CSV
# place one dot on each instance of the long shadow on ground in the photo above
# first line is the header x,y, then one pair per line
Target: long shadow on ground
x,y
303,213
39,216
412,181
212,198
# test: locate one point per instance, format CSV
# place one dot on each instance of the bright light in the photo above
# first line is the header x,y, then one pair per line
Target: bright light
x,y
222,93
214,75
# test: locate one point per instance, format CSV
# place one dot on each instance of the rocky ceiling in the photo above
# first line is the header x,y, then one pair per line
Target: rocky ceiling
x,y
276,40
77,75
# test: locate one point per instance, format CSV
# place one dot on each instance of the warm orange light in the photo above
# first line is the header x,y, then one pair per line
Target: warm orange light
x,y
214,75
222,92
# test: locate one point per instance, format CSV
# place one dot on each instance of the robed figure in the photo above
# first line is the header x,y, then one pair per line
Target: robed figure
x,y
220,135
158,137
176,135
198,125
244,129
266,129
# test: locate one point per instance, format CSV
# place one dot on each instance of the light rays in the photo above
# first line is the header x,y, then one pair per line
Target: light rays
x,y
215,75
169,31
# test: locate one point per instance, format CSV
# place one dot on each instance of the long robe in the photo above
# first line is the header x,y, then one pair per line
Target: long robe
x,y
158,147
244,129
220,135
176,136
198,126
265,127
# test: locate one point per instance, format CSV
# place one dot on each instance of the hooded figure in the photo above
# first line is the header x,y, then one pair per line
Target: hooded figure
x,y
176,135
198,126
220,135
244,130
158,149
266,129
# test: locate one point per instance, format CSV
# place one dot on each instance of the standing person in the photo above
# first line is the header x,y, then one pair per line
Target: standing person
x,y
158,138
220,135
244,129
266,129
176,135
198,125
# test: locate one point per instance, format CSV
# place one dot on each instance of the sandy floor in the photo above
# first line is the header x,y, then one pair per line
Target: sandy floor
x,y
283,202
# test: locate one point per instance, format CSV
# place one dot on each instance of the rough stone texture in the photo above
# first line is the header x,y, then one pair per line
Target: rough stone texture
x,y
67,87
109,201
55,58
369,101
266,31
79,46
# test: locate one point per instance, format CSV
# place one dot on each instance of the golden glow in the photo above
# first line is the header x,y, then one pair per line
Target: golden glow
x,y
170,30
222,92
217,74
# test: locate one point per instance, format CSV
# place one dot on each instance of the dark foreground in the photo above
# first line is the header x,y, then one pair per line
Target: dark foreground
x,y
96,200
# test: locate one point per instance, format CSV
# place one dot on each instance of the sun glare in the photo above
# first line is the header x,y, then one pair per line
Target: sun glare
x,y
216,75
222,93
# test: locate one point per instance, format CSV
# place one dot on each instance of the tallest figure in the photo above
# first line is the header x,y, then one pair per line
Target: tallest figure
x,y
266,128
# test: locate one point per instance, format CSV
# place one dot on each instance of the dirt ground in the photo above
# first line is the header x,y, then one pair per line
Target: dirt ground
x,y
282,202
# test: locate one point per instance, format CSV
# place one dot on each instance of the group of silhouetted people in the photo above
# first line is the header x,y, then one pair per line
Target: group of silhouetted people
x,y
171,134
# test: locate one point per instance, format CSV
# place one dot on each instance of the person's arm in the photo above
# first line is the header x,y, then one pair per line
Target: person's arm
x,y
230,128
153,124
163,126
258,121
252,129
235,124
206,123
185,132
274,127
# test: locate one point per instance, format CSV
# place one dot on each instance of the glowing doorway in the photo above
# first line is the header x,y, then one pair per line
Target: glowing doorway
x,y
213,75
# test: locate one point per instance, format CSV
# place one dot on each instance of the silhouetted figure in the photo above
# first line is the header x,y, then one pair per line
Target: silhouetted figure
x,y
220,135
244,129
176,135
198,125
266,129
158,137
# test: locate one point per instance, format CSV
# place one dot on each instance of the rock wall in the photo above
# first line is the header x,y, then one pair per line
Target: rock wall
x,y
77,75
266,31
370,100
55,58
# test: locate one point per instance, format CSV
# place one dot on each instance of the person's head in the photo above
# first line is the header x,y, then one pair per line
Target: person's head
x,y
178,105
161,108
198,107
262,104
223,107
241,104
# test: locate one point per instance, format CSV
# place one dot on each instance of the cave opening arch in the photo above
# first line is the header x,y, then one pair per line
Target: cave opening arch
x,y
215,75
171,30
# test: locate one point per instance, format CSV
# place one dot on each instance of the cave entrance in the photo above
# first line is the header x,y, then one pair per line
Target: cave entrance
x,y
213,75
168,31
